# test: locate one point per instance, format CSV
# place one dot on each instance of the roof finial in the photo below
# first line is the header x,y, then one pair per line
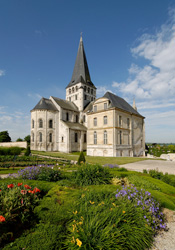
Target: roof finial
x,y
134,104
81,39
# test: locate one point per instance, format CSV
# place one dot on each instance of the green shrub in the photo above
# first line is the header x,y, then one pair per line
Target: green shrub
x,y
81,158
142,183
10,150
28,151
92,175
155,174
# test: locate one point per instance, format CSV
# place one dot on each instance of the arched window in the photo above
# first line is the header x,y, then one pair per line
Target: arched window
x,y
120,137
95,121
105,137
33,123
33,137
88,90
73,90
95,137
40,137
76,137
50,123
40,123
76,88
67,116
105,119
69,91
50,137
76,117
85,138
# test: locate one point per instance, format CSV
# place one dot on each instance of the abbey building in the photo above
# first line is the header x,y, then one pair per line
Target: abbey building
x,y
107,126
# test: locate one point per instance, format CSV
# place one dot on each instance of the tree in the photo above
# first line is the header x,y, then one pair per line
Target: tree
x,y
81,158
4,136
27,139
19,139
28,151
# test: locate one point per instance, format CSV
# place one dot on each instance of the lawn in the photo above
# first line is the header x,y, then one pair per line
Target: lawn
x,y
92,159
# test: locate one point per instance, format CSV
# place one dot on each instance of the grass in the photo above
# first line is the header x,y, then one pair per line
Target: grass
x,y
92,159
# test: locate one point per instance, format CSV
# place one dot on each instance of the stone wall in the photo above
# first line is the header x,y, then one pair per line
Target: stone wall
x,y
20,144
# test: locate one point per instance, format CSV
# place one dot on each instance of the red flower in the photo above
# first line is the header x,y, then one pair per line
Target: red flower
x,y
2,218
30,191
0,190
36,190
19,184
10,186
27,187
23,191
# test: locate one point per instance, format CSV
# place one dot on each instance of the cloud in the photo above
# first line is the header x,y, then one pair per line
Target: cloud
x,y
101,90
2,72
34,96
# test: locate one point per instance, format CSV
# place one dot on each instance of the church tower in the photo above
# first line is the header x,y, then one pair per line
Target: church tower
x,y
81,90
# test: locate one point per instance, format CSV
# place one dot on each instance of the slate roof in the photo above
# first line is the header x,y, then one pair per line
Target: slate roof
x,y
65,104
120,103
81,70
46,104
75,126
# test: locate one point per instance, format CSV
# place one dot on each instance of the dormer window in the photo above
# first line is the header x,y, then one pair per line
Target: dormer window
x,y
105,105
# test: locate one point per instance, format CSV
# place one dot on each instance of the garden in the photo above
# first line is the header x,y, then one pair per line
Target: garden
x,y
83,206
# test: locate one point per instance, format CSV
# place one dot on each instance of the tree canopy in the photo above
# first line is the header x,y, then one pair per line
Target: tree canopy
x,y
4,136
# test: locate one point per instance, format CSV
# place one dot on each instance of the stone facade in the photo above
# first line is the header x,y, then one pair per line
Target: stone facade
x,y
107,126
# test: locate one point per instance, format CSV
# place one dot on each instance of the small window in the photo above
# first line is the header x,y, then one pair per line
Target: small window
x,y
33,123
67,116
33,137
105,119
69,91
105,105
128,122
75,97
84,88
50,137
95,108
62,139
91,91
128,139
95,137
105,137
73,90
120,137
40,123
95,121
40,137
84,118
120,121
85,97
76,118
88,90
50,124
76,88
76,137
84,138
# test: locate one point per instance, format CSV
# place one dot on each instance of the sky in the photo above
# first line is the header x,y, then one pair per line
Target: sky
x,y
129,45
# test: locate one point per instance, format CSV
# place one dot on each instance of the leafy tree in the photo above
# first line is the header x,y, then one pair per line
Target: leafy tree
x,y
19,139
28,151
27,139
4,136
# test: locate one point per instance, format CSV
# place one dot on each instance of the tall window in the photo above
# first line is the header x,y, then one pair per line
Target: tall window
x,y
40,137
85,97
84,138
67,116
33,137
50,137
73,90
105,105
69,91
50,124
76,97
76,137
76,88
95,121
95,108
84,88
120,137
84,118
76,118
105,137
40,123
88,90
120,121
95,137
105,119
128,122
91,91
33,123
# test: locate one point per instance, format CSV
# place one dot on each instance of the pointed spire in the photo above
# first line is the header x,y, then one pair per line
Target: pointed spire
x,y
134,104
81,71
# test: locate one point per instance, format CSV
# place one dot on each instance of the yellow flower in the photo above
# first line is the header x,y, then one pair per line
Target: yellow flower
x,y
124,212
82,218
73,240
75,212
79,243
83,195
111,208
74,226
92,202
114,204
80,223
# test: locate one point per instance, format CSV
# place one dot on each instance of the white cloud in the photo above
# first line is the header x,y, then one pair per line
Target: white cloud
x,y
101,90
2,72
34,96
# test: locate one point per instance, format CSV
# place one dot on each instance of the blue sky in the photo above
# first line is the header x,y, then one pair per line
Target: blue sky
x,y
130,49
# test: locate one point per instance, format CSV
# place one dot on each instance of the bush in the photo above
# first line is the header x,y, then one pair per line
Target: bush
x,y
81,158
10,150
103,221
92,175
28,151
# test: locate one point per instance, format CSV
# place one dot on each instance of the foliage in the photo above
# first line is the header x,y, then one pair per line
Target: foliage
x,y
17,202
89,174
167,178
19,139
103,221
28,151
27,139
41,172
157,150
81,158
10,150
142,183
4,136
